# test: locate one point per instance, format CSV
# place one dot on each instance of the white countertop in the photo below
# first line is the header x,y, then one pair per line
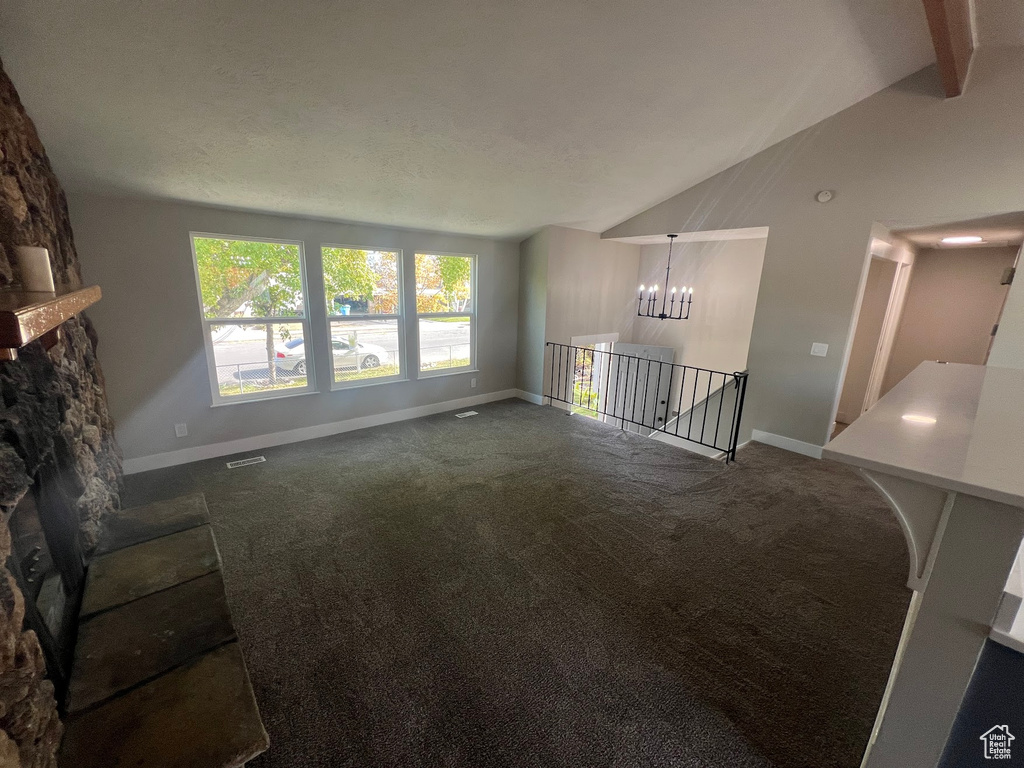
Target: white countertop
x,y
965,431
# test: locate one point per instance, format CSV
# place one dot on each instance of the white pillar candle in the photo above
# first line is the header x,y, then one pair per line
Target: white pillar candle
x,y
34,264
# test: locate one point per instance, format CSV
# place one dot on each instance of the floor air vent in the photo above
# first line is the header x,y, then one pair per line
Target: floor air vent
x,y
465,414
245,462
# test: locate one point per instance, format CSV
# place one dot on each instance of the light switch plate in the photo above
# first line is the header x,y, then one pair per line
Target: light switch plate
x,y
180,430
818,349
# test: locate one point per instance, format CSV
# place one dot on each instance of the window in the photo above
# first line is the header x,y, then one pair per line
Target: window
x,y
252,296
363,289
446,311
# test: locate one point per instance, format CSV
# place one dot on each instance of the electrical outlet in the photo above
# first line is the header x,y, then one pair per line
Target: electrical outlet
x,y
818,349
472,383
180,430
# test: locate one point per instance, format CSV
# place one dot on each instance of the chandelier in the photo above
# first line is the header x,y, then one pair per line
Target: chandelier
x,y
668,311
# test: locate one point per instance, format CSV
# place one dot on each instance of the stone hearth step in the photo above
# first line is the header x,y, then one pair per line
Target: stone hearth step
x,y
128,527
201,715
134,572
136,642
158,679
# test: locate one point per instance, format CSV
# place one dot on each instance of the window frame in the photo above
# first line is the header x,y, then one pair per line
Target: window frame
x,y
403,367
217,399
471,312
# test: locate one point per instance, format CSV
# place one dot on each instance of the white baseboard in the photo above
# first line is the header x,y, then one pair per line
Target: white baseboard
x,y
687,445
787,443
529,397
258,442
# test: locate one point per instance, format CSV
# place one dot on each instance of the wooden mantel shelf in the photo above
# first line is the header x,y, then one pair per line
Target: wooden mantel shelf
x,y
29,315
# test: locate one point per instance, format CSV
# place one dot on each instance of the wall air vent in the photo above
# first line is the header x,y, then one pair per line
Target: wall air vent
x,y
246,462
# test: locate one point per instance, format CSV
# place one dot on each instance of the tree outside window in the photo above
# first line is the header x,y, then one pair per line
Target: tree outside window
x,y
445,307
363,290
253,302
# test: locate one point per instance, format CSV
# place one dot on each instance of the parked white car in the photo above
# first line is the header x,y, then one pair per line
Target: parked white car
x,y
291,355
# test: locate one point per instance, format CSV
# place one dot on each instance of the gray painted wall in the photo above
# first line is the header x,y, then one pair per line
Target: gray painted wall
x,y
725,275
533,298
572,283
591,285
151,336
903,156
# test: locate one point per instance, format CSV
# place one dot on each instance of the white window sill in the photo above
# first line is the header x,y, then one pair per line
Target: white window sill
x,y
368,383
262,398
446,372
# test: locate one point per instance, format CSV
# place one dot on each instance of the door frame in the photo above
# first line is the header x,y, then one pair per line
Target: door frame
x,y
890,248
887,338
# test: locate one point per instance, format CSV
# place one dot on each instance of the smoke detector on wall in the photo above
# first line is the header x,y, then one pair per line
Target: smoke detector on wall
x,y
824,196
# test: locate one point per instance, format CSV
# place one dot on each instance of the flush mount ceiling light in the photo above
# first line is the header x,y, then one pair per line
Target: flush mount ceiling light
x,y
918,418
962,240
669,312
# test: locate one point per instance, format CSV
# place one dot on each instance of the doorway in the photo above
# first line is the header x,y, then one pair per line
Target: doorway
x,y
933,292
953,307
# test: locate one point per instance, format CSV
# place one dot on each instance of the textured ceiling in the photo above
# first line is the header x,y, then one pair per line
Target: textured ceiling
x,y
477,116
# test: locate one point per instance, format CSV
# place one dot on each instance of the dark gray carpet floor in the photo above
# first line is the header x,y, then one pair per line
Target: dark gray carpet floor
x,y
523,588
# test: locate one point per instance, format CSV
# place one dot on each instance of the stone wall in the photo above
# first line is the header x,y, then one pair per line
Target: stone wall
x,y
53,409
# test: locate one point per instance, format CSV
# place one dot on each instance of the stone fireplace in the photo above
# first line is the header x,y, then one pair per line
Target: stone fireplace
x,y
47,563
60,469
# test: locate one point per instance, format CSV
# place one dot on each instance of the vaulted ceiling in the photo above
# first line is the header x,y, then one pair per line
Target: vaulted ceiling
x,y
477,116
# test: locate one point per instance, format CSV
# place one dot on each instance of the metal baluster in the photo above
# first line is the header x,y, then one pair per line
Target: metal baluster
x,y
636,383
551,383
704,419
679,405
742,386
602,399
693,402
590,385
721,402
561,395
620,411
647,384
668,395
657,394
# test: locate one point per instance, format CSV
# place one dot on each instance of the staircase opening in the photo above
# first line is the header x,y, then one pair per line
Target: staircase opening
x,y
639,389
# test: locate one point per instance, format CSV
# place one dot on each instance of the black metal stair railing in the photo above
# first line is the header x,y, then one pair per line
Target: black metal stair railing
x,y
650,397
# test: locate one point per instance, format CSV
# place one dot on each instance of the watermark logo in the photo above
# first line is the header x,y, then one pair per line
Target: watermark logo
x,y
997,741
